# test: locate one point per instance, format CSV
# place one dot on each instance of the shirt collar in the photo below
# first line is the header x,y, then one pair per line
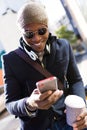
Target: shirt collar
x,y
29,49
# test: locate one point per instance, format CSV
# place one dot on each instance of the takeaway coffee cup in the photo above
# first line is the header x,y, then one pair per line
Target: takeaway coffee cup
x,y
74,106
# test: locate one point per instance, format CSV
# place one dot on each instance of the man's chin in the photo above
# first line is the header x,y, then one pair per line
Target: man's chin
x,y
38,49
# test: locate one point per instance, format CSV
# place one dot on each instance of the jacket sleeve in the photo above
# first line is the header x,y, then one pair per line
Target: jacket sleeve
x,y
15,104
74,77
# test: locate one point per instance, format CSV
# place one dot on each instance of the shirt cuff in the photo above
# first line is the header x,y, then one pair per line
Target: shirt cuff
x,y
29,112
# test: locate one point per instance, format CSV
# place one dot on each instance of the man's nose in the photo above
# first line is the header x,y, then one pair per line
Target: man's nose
x,y
36,37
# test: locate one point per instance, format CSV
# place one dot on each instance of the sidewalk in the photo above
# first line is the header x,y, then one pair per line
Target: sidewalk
x,y
2,103
9,123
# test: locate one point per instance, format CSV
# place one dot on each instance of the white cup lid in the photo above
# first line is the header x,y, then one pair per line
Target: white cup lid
x,y
74,101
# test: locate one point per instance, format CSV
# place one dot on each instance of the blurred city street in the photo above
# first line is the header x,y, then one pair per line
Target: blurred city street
x,y
82,65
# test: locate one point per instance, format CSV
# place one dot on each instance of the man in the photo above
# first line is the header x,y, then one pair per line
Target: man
x,y
36,110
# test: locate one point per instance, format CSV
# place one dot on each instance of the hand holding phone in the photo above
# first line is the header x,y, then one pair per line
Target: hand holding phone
x,y
47,84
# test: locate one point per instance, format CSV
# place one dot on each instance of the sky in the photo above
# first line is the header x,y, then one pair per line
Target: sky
x,y
54,9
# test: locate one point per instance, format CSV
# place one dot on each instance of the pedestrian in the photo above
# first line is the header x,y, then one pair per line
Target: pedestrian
x,y
36,110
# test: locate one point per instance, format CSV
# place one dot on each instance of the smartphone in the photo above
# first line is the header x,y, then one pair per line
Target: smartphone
x,y
47,84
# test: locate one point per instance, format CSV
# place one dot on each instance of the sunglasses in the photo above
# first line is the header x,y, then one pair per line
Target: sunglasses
x,y
30,34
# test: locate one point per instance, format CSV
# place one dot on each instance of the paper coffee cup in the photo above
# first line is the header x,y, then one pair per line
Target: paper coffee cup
x,y
74,106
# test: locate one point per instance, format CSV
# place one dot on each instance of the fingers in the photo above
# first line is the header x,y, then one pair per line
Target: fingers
x,y
51,95
45,95
50,100
83,114
80,126
45,100
81,122
55,96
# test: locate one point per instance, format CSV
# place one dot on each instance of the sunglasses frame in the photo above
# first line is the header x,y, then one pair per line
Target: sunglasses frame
x,y
32,33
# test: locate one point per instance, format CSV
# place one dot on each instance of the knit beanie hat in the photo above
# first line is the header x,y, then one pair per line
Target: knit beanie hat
x,y
32,12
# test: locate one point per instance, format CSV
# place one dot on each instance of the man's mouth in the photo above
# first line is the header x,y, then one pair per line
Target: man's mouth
x,y
36,44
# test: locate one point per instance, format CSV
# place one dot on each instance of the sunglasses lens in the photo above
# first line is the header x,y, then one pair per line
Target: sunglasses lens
x,y
42,31
29,35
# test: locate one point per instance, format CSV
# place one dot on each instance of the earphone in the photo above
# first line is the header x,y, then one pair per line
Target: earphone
x,y
32,54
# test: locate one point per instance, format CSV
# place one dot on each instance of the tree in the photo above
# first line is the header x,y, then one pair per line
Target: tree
x,y
63,32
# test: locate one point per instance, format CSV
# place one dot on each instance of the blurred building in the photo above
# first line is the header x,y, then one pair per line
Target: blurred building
x,y
76,11
2,51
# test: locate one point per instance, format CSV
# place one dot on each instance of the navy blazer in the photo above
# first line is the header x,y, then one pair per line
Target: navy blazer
x,y
20,79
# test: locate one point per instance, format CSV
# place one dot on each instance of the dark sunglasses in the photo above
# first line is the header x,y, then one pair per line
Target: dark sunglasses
x,y
30,34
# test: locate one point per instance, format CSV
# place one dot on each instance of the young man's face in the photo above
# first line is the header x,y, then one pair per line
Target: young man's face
x,y
36,36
